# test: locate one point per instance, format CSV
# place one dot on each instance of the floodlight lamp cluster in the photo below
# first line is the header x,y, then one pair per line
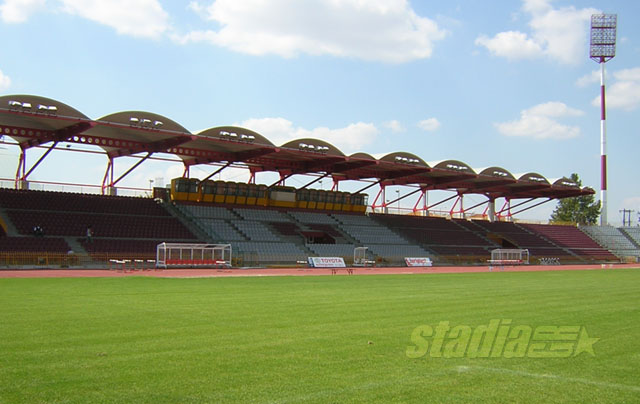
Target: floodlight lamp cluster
x,y
313,148
236,137
27,107
603,37
407,160
569,184
144,123
457,167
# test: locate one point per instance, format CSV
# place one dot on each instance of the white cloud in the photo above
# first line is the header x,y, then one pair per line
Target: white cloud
x,y
511,45
350,139
5,81
624,92
557,33
429,125
17,11
588,79
381,30
139,18
394,125
540,122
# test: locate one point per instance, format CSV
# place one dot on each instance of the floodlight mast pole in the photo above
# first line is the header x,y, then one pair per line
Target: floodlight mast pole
x,y
603,149
603,49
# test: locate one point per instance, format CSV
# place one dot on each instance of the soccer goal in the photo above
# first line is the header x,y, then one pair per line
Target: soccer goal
x,y
193,255
511,256
360,257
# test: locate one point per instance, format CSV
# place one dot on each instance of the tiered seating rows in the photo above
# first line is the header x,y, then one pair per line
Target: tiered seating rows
x,y
143,247
75,224
332,250
34,244
433,231
220,229
573,238
633,233
256,231
72,202
313,217
515,234
325,228
613,239
286,228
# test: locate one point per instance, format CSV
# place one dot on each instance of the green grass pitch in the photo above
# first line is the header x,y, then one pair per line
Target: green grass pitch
x,y
324,339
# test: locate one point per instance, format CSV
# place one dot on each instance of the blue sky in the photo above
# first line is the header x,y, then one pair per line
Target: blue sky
x,y
506,83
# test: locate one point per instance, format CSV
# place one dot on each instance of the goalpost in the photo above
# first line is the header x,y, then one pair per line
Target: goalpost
x,y
360,257
508,256
193,255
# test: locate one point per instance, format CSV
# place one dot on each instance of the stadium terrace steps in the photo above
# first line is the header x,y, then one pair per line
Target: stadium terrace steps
x,y
440,235
74,202
574,240
66,216
332,250
33,244
261,236
256,231
633,234
612,239
104,225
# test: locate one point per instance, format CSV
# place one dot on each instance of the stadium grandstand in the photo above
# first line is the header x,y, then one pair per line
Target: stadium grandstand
x,y
269,224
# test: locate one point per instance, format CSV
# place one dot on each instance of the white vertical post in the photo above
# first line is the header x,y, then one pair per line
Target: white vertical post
x,y
603,150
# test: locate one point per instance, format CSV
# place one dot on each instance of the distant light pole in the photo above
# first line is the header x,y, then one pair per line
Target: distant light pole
x,y
398,194
603,49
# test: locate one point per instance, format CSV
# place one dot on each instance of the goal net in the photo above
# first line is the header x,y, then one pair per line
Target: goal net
x,y
510,256
193,255
360,257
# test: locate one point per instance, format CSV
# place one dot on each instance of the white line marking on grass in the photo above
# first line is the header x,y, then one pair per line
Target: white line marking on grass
x,y
463,369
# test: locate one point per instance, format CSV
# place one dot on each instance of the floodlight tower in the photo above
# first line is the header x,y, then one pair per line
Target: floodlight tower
x,y
603,49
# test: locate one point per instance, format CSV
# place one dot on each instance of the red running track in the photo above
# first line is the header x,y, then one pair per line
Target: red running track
x,y
209,273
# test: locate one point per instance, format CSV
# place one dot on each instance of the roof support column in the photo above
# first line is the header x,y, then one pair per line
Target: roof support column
x,y
509,207
21,169
491,208
23,178
108,174
113,183
453,211
441,202
506,207
283,177
403,196
424,198
476,205
335,184
383,205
